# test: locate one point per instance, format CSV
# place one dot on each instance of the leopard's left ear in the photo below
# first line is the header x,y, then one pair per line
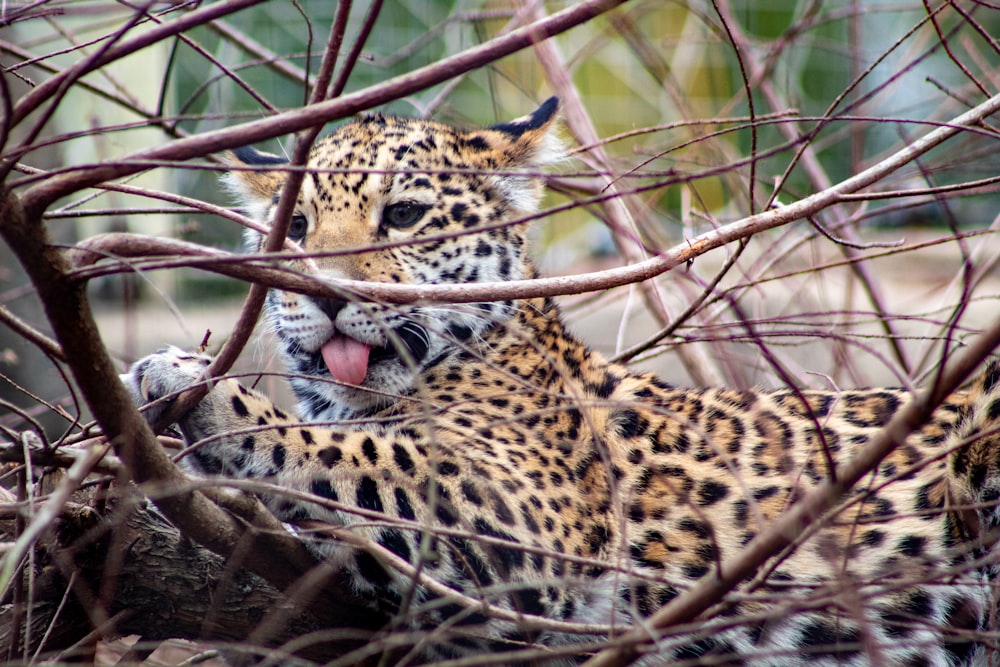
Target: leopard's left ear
x,y
516,150
255,178
529,141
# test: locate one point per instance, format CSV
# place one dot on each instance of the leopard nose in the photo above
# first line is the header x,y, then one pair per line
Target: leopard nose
x,y
330,307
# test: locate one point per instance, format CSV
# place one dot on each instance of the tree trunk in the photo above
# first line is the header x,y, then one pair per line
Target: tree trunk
x,y
127,571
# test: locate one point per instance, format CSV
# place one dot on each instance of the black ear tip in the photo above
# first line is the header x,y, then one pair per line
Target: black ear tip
x,y
249,155
542,114
549,107
538,118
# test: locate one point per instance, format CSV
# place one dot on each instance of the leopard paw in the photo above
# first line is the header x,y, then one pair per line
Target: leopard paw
x,y
155,380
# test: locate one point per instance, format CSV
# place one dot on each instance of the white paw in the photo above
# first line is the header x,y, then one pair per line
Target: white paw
x,y
157,379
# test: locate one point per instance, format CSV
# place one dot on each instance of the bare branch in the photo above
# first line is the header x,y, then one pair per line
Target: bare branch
x,y
39,197
705,121
130,246
50,87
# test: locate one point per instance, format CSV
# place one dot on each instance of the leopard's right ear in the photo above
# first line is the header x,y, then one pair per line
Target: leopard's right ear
x,y
253,180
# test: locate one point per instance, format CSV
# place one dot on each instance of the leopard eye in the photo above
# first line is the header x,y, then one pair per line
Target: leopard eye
x,y
297,227
403,214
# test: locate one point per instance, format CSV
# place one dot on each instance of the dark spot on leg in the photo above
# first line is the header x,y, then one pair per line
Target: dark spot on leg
x,y
240,407
368,496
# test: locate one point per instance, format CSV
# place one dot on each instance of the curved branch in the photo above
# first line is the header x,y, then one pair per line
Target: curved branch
x,y
211,597
37,198
268,550
198,17
126,245
29,333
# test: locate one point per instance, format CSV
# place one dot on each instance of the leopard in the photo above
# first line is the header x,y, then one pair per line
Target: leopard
x,y
497,486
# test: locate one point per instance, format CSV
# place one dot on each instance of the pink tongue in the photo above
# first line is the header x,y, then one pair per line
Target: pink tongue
x,y
346,358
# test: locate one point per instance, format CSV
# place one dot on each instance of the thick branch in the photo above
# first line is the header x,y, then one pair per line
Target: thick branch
x,y
273,554
163,587
226,264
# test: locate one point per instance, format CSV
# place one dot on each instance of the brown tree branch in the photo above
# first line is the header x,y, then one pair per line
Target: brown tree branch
x,y
125,245
279,64
210,599
37,198
30,333
274,554
54,275
39,94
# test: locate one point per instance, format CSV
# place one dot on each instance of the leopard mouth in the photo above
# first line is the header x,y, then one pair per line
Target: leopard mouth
x,y
349,360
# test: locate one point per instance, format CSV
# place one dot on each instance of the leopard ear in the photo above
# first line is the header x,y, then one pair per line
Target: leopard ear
x,y
251,181
529,141
522,145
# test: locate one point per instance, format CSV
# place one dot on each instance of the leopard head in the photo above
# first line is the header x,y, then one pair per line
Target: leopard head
x,y
397,200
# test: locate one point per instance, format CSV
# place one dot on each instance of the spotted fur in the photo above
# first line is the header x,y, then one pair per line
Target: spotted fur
x,y
492,452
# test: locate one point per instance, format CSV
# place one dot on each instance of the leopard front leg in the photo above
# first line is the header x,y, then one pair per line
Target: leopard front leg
x,y
239,433
388,487
219,426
